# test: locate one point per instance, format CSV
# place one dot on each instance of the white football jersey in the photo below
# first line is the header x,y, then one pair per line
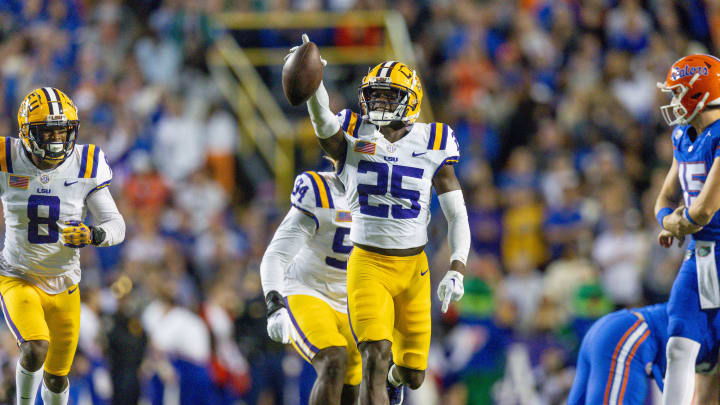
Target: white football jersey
x,y
388,185
319,268
36,204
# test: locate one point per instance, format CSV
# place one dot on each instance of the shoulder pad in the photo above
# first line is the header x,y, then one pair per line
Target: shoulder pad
x,y
350,122
438,136
91,158
311,191
94,165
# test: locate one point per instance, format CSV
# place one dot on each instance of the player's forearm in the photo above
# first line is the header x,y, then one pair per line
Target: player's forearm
x,y
323,120
114,229
272,269
327,128
107,217
453,206
292,234
669,190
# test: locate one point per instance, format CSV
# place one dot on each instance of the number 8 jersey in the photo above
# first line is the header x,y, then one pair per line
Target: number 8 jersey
x,y
36,204
388,185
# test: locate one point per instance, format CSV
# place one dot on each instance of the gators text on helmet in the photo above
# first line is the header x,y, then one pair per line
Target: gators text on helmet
x,y
404,85
47,109
694,82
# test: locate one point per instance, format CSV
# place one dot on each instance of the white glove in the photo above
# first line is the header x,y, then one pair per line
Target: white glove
x,y
279,326
450,289
305,40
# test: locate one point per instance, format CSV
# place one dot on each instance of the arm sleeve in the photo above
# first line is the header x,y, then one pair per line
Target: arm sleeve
x,y
322,118
453,206
106,216
293,233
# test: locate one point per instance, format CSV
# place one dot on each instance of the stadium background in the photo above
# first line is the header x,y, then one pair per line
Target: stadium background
x,y
555,108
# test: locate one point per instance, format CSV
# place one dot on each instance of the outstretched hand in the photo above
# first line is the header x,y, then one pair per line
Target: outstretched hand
x,y
305,40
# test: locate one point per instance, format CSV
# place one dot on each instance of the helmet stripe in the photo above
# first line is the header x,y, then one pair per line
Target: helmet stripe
x,y
50,100
59,100
386,69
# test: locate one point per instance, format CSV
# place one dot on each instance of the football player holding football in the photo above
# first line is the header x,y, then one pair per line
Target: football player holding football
x,y
303,278
47,185
694,111
388,164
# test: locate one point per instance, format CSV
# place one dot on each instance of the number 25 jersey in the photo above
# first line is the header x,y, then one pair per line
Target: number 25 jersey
x,y
388,185
694,162
36,204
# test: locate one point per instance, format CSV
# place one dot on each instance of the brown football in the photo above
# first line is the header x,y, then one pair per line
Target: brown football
x,y
302,73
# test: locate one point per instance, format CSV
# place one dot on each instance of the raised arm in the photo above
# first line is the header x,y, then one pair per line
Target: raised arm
x,y
327,127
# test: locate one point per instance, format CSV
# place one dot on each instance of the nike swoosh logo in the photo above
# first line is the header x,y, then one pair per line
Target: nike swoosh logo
x,y
70,183
72,291
422,273
415,154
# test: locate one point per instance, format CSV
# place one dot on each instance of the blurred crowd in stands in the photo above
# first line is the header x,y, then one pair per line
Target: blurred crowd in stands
x,y
563,151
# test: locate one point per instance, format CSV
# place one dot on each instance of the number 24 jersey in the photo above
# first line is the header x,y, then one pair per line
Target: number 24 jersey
x,y
319,268
388,185
36,204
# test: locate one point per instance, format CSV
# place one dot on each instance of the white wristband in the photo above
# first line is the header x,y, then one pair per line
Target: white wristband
x,y
323,120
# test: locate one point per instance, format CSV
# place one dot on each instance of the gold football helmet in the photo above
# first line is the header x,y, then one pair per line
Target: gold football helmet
x,y
391,91
47,109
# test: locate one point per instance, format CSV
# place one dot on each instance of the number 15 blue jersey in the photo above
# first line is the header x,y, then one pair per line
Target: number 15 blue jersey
x,y
36,204
388,185
694,162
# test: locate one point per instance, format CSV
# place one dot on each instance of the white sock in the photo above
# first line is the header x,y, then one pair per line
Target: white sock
x,y
27,383
54,398
680,374
391,378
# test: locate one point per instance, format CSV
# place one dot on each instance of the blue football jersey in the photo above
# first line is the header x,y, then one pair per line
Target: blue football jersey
x,y
694,162
657,320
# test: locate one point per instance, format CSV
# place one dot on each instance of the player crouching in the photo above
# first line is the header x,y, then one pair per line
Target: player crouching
x,y
47,184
